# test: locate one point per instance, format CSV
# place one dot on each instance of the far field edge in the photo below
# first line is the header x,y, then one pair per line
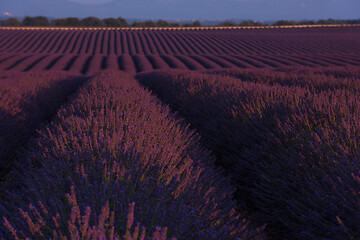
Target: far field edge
x,y
178,28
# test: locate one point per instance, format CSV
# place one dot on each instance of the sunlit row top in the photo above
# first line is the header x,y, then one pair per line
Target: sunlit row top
x,y
176,28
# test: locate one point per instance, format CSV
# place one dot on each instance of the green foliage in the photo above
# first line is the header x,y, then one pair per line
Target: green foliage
x,y
59,22
73,22
186,25
251,23
320,22
197,24
137,24
284,23
307,22
28,21
92,22
162,23
66,22
36,21
149,23
14,22
123,22
112,22
330,21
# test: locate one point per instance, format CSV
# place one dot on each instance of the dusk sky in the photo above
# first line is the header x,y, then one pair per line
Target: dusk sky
x,y
187,9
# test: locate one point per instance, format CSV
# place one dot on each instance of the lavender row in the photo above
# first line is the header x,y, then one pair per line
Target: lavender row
x,y
89,64
115,144
239,42
325,78
26,101
292,152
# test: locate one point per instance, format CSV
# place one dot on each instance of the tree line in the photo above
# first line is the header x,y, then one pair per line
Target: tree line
x,y
121,22
90,22
287,22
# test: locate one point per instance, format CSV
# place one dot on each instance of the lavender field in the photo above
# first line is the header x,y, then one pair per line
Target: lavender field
x,y
180,134
87,51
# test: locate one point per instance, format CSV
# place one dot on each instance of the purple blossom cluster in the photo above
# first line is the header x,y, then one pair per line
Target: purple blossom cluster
x,y
113,145
26,101
288,138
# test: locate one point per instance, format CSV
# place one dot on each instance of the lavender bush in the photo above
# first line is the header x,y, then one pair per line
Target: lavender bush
x,y
292,152
26,101
325,78
79,225
116,144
